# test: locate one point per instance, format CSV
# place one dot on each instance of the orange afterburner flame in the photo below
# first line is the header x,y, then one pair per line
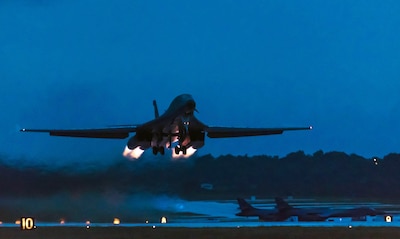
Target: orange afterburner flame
x,y
132,153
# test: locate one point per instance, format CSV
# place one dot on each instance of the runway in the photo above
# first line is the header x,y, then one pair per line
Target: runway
x,y
221,214
212,219
232,224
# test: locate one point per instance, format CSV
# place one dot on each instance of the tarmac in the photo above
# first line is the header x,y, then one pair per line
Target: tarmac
x,y
218,214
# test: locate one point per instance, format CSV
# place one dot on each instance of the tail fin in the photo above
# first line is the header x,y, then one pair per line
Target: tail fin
x,y
281,204
243,205
155,109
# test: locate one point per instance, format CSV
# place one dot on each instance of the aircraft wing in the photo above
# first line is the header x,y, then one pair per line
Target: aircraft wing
x,y
229,132
105,133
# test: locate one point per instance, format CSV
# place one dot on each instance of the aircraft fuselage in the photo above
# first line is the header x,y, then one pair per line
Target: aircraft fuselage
x,y
172,126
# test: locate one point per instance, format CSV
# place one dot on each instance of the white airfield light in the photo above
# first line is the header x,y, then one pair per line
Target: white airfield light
x,y
116,221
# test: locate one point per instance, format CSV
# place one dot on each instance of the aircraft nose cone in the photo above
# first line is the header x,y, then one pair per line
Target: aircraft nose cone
x,y
191,105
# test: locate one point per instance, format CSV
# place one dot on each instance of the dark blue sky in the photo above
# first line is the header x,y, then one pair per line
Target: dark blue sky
x,y
331,64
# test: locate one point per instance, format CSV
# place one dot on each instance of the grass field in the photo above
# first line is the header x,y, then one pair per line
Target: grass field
x,y
206,233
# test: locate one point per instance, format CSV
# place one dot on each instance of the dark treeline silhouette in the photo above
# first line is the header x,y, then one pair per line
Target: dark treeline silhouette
x,y
331,174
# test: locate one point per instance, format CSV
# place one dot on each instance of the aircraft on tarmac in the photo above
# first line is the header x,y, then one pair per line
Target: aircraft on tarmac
x,y
246,210
177,124
283,211
321,214
303,214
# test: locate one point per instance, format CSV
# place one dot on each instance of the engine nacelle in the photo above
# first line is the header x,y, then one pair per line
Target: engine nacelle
x,y
197,139
134,142
135,148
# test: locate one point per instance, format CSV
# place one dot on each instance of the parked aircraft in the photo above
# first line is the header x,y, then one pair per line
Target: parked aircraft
x,y
358,213
321,214
177,124
246,210
283,211
302,214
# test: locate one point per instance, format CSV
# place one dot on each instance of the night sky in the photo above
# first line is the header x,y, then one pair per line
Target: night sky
x,y
334,65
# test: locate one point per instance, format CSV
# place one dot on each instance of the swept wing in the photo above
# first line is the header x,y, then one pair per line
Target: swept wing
x,y
105,133
177,124
121,132
229,132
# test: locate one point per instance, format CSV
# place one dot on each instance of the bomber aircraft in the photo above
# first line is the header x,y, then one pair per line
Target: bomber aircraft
x,y
177,125
322,214
247,210
283,211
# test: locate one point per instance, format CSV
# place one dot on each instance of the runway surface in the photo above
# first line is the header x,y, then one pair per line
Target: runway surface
x,y
237,224
201,214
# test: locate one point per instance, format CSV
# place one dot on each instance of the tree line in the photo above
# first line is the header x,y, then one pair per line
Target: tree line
x,y
330,174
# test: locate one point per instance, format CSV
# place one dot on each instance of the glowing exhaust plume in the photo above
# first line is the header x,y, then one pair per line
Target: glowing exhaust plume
x,y
132,153
189,152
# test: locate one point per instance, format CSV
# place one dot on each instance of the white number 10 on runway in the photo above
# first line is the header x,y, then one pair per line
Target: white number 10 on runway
x,y
27,223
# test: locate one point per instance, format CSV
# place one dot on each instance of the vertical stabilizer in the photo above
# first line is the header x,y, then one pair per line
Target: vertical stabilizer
x,y
155,109
244,205
282,204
